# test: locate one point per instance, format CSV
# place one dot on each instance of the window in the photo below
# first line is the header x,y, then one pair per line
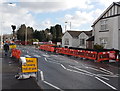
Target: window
x,y
66,41
103,41
82,42
104,25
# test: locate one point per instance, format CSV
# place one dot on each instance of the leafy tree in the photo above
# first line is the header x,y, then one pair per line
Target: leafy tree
x,y
58,32
21,32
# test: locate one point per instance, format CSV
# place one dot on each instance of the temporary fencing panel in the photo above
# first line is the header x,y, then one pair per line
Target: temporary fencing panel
x,y
16,53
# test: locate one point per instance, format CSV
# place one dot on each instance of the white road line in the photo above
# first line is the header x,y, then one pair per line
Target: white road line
x,y
37,55
46,55
106,83
106,70
46,59
116,75
41,73
42,76
88,73
27,56
97,70
63,66
52,85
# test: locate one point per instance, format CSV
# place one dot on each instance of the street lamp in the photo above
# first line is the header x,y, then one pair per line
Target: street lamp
x,y
26,36
66,25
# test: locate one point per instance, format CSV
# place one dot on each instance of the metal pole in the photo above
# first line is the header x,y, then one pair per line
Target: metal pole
x,y
70,25
65,26
26,37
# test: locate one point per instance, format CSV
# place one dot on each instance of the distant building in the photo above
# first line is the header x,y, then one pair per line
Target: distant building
x,y
75,38
107,27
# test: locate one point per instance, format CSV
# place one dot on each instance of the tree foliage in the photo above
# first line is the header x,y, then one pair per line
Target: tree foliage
x,y
54,33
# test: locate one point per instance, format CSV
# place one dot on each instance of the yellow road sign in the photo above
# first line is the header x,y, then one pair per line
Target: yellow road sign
x,y
30,66
12,46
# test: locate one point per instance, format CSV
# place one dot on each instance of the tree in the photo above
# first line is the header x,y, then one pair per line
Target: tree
x,y
58,33
21,32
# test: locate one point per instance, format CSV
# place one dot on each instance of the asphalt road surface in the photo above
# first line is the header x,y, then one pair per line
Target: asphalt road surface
x,y
66,72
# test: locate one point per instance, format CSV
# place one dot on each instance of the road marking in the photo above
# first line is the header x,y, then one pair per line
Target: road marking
x,y
116,75
106,83
46,55
97,70
63,66
27,56
106,70
41,73
46,59
52,85
89,73
37,55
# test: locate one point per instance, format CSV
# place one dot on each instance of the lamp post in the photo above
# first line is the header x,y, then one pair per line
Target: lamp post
x,y
26,36
66,25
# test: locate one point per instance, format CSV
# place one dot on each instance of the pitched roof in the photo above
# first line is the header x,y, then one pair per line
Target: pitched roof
x,y
90,39
75,34
114,3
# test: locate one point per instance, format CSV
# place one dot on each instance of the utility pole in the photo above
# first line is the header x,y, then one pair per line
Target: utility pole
x,y
26,36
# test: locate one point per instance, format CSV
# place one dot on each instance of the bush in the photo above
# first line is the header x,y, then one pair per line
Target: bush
x,y
97,46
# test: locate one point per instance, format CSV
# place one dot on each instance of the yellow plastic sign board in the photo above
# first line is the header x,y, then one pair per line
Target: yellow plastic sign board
x,y
30,66
12,46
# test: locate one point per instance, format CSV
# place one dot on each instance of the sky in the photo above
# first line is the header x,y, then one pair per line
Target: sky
x,y
42,14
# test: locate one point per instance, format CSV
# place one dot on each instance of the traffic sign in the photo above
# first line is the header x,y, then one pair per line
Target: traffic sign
x,y
31,65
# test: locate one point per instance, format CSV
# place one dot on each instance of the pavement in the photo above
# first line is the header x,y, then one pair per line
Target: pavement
x,y
8,70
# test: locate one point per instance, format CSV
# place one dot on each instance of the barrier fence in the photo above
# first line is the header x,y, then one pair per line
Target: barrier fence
x,y
97,55
16,53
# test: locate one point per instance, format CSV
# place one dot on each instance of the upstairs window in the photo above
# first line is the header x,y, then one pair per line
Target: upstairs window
x,y
82,42
104,25
66,41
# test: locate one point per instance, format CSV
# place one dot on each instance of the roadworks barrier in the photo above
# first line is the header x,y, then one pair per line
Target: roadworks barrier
x,y
96,55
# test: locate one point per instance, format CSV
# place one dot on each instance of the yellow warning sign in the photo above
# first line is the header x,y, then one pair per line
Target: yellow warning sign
x,y
31,65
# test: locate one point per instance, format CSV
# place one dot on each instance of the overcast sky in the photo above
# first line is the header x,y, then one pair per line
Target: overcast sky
x,y
41,14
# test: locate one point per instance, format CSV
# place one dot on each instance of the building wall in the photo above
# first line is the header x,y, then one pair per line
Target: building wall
x,y
83,36
66,36
119,32
111,34
75,42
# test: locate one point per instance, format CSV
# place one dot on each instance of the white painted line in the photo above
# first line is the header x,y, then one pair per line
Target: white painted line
x,y
42,76
116,75
106,83
106,70
41,73
63,66
88,73
46,59
97,70
37,55
46,55
27,56
52,85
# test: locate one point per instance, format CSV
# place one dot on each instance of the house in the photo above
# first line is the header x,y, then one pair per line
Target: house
x,y
75,38
107,27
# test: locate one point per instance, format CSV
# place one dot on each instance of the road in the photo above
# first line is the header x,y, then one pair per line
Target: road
x,y
66,72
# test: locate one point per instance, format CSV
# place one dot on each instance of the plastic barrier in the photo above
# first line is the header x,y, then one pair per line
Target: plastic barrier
x,y
98,55
109,55
16,53
90,55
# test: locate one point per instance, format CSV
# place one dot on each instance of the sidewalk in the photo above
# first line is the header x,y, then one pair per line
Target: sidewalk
x,y
9,82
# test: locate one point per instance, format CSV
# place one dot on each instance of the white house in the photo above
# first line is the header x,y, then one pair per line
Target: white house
x,y
107,27
75,38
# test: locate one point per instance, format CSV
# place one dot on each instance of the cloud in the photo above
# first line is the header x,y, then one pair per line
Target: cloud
x,y
80,18
21,11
